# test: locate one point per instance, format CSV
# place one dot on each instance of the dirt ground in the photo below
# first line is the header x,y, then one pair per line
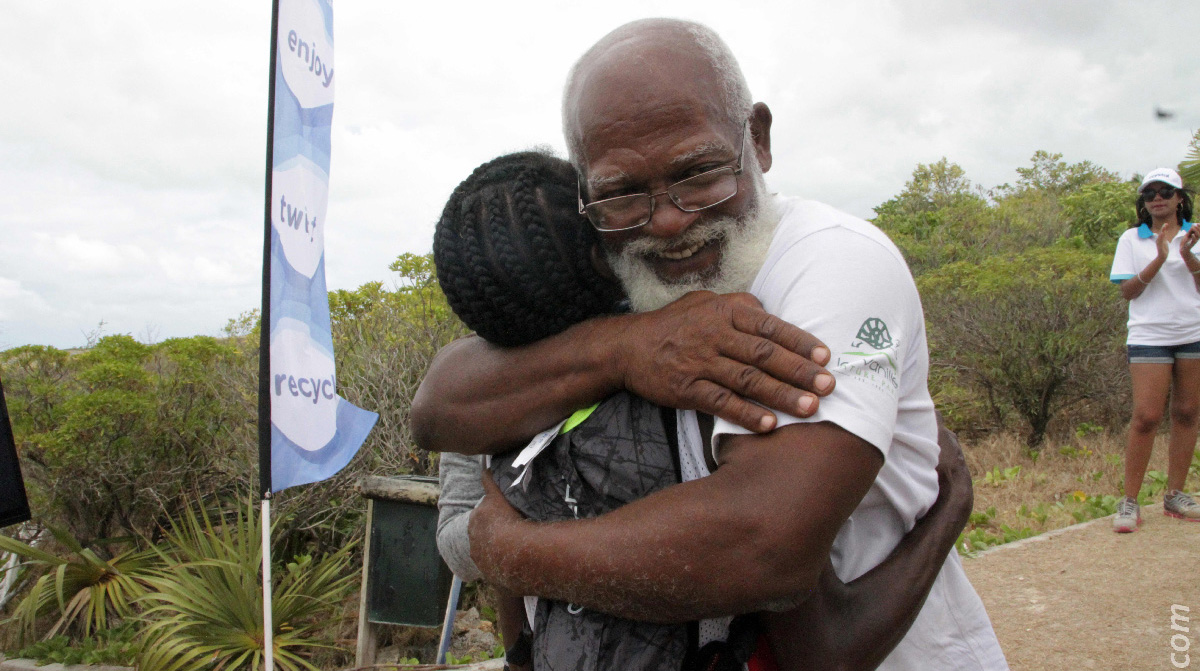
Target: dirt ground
x,y
1086,598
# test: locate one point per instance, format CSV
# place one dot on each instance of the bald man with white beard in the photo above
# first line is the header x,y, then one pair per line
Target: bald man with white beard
x,y
652,105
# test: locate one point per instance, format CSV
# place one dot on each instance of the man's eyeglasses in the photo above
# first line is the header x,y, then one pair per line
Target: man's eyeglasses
x,y
1150,192
693,194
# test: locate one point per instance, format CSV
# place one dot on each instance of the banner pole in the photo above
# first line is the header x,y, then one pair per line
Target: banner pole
x,y
264,323
264,359
268,624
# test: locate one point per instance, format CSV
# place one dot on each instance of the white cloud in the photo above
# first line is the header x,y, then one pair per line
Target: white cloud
x,y
134,137
16,299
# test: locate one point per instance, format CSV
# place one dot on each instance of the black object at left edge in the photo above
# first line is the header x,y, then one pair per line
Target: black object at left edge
x,y
14,504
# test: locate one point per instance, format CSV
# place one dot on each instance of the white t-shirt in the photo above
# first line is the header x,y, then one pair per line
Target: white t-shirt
x,y
1168,311
841,279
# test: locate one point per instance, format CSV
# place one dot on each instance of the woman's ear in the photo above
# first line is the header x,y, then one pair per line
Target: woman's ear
x,y
600,263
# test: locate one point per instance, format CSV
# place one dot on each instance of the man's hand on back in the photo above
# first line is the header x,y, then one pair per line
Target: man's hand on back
x,y
719,354
722,354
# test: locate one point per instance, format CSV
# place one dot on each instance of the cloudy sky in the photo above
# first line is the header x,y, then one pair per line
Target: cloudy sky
x,y
132,143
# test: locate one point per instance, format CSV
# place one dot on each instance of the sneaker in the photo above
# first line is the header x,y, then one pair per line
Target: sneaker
x,y
1178,504
1128,517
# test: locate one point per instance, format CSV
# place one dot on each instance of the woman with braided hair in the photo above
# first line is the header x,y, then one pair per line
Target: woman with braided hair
x,y
513,254
518,263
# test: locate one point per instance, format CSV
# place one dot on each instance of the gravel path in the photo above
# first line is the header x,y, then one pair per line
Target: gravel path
x,y
1087,598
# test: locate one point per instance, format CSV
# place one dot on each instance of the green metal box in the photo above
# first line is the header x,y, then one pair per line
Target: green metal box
x,y
407,581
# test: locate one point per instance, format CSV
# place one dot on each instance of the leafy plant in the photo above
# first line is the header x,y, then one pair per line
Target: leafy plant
x,y
206,607
495,653
83,588
997,477
1094,506
1087,428
1038,513
1070,451
1152,489
978,539
114,646
1189,167
983,516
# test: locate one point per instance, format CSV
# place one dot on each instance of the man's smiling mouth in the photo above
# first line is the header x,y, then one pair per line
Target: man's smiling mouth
x,y
684,253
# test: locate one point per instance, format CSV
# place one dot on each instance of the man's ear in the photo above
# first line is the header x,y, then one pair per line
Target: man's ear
x,y
600,263
760,134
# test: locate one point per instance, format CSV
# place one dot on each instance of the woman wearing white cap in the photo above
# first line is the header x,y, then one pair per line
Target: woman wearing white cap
x,y
1160,277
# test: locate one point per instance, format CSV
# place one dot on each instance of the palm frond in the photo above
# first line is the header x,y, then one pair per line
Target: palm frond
x,y
85,589
1189,168
204,610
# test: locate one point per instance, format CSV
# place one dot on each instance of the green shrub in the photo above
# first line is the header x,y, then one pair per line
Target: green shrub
x,y
1033,334
117,646
116,435
1098,213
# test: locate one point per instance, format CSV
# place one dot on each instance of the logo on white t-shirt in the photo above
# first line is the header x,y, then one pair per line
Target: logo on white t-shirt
x,y
875,333
871,357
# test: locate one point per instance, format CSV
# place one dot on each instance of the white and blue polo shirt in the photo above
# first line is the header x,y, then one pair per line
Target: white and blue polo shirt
x,y
1168,311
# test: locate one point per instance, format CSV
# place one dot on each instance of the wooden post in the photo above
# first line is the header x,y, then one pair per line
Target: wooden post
x,y
364,654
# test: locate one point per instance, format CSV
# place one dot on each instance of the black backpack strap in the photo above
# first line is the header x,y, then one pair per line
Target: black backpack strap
x,y
744,632
671,429
520,652
691,657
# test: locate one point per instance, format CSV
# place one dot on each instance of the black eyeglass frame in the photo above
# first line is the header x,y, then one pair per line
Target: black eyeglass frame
x,y
653,197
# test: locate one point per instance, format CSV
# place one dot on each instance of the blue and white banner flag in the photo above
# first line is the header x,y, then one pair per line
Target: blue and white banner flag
x,y
314,432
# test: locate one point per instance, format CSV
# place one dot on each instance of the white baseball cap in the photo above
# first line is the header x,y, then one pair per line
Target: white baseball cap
x,y
1164,175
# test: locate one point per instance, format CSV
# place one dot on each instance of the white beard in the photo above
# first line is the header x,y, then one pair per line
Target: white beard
x,y
746,243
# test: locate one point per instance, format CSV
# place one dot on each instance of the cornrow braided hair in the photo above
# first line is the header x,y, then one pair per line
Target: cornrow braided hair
x,y
513,254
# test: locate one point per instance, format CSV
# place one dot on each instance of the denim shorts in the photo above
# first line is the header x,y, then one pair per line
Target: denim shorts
x,y
1161,353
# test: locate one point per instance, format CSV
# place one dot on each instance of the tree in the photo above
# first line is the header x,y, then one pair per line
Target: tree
x,y
385,341
933,186
940,217
1035,334
1099,212
935,218
117,435
1049,173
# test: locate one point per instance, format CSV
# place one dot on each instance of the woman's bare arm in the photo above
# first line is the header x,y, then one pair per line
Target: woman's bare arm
x,y
856,625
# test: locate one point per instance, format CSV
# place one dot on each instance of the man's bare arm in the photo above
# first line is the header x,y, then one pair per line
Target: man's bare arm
x,y
757,531
708,352
855,626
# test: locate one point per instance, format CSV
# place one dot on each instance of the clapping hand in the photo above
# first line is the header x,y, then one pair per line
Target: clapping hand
x,y
1163,244
1189,241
